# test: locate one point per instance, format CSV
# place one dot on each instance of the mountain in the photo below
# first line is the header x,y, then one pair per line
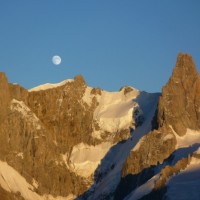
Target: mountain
x,y
69,141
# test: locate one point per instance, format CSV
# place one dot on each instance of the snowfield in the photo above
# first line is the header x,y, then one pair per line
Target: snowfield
x,y
84,159
115,110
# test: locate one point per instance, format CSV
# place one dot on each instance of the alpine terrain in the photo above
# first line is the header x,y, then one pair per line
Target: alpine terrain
x,y
69,141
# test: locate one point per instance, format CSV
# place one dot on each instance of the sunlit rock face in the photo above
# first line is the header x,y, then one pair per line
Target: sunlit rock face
x,y
179,104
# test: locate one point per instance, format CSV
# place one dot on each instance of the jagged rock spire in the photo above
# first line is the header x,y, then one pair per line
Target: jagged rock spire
x,y
178,105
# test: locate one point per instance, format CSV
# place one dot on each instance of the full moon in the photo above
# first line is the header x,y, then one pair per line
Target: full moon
x,y
56,60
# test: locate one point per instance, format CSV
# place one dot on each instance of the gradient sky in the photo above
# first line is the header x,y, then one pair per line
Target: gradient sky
x,y
112,43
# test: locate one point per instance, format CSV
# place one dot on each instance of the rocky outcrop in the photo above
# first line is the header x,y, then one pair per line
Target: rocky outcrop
x,y
154,148
18,92
170,171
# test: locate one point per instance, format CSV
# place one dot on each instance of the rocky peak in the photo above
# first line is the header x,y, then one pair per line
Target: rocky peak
x,y
177,105
126,89
178,108
18,92
184,73
4,95
79,79
3,82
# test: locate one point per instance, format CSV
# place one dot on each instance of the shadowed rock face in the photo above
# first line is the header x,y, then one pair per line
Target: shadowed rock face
x,y
179,105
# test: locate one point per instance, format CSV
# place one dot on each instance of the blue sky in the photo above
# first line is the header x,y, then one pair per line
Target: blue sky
x,y
112,43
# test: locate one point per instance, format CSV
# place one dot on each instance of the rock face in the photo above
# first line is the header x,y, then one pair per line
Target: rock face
x,y
38,129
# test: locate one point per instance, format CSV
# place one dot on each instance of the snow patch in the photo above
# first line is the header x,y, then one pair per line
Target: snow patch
x,y
69,197
21,155
198,151
115,110
168,137
191,137
47,86
84,158
87,97
35,183
65,158
27,114
97,134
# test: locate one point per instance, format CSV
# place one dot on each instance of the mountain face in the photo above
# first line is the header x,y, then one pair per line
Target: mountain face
x,y
70,141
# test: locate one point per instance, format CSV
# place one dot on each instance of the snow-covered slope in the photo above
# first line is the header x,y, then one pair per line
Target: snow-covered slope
x,y
84,159
115,110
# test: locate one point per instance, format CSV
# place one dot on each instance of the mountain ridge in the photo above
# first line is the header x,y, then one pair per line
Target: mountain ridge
x,y
70,141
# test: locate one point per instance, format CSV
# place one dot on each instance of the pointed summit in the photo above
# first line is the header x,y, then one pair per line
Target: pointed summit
x,y
185,72
178,106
